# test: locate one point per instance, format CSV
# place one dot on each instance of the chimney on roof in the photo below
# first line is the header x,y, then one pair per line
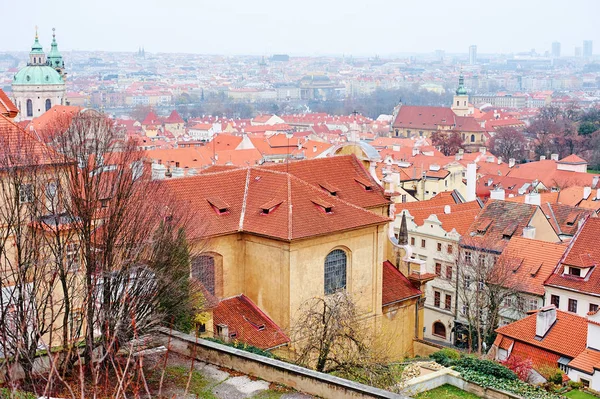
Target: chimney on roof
x,y
490,182
482,150
461,151
529,232
458,156
542,157
447,209
554,157
223,332
471,182
511,162
545,319
533,199
587,191
497,194
395,148
415,151
158,171
595,181
499,160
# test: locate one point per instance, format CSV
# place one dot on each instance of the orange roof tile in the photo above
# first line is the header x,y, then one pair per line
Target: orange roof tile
x,y
567,337
539,356
247,323
247,189
396,287
587,361
536,261
583,252
7,108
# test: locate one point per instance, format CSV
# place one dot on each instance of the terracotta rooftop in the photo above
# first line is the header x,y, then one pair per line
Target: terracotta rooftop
x,y
7,108
460,218
396,287
531,262
564,218
587,361
583,252
18,147
247,323
497,223
567,337
300,213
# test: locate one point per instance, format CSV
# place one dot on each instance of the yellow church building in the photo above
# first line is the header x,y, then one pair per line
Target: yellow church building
x,y
269,238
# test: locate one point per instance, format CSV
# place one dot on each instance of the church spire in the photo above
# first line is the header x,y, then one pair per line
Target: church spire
x,y
461,91
55,59
36,55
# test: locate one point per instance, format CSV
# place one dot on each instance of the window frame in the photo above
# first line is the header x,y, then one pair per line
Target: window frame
x,y
336,271
572,305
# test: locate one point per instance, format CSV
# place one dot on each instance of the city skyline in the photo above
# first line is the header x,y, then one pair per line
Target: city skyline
x,y
265,27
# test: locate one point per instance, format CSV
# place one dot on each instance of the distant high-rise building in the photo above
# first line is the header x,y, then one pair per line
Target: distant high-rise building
x,y
472,55
578,52
439,55
555,49
587,48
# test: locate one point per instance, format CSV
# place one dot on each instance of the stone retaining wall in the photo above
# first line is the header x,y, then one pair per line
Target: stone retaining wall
x,y
299,378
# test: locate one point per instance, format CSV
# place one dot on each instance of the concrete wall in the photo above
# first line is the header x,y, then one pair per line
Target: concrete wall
x,y
299,378
424,348
451,377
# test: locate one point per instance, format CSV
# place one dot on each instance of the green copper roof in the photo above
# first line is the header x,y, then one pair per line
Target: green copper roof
x,y
461,91
36,48
55,59
37,75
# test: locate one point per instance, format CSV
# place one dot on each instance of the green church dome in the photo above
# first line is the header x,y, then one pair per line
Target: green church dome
x,y
37,75
461,91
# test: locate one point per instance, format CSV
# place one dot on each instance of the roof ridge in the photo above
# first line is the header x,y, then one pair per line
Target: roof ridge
x,y
244,201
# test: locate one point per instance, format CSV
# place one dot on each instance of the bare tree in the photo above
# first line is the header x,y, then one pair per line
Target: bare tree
x,y
329,335
483,285
508,143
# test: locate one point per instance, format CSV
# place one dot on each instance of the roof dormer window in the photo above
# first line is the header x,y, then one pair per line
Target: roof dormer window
x,y
323,205
219,206
270,206
367,185
329,188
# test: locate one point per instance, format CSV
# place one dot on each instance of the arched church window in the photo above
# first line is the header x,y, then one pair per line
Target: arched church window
x,y
203,269
335,271
472,138
48,104
439,329
29,108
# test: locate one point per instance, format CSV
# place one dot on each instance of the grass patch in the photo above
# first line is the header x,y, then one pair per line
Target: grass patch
x,y
577,394
446,392
177,376
268,395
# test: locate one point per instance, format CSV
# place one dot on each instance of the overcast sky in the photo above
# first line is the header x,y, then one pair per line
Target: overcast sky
x,y
305,27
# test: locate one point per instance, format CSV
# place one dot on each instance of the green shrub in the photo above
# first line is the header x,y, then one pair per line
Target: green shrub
x,y
575,385
486,367
446,357
515,385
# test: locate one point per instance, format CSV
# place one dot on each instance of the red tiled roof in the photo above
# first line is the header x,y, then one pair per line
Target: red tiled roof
x,y
583,251
420,117
174,118
247,189
7,108
247,323
341,172
460,218
396,287
151,119
539,356
564,218
19,148
498,215
567,337
587,361
573,159
531,261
